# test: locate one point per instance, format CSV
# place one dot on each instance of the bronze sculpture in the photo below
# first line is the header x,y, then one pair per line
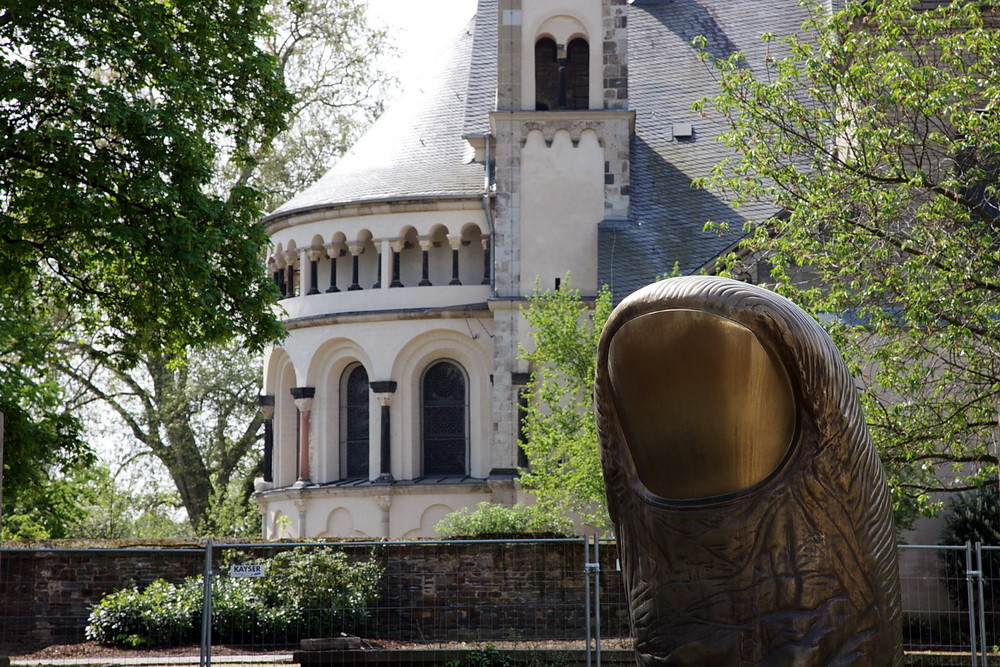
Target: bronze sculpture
x,y
753,520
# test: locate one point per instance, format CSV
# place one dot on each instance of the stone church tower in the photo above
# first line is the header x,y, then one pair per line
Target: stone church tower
x,y
560,136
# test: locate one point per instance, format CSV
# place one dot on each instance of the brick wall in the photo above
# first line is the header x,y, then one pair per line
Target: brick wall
x,y
431,591
495,591
46,595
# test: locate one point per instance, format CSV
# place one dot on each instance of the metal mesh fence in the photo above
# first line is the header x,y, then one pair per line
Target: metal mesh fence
x,y
386,598
933,617
46,595
990,568
613,605
428,593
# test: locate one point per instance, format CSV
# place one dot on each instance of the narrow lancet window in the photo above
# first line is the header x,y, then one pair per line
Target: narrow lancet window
x,y
578,74
444,420
354,424
546,75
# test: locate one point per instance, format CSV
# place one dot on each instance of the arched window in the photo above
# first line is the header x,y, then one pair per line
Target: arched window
x,y
546,75
578,74
562,75
443,420
354,397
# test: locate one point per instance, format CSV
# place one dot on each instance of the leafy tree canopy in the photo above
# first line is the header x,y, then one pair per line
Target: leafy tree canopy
x,y
42,455
560,434
121,503
876,132
111,116
193,410
330,58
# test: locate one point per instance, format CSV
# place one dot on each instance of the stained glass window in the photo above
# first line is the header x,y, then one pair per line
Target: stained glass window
x,y
354,423
444,421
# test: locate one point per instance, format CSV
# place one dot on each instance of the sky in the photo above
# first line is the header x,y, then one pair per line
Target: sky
x,y
420,30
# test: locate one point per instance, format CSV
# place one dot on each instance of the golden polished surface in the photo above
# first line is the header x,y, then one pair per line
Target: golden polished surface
x,y
705,410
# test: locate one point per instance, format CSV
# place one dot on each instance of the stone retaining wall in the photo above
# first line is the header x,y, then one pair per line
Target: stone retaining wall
x,y
45,596
495,591
431,591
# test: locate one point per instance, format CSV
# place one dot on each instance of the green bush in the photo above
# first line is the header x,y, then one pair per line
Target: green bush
x,y
307,592
974,516
492,520
239,612
161,615
322,594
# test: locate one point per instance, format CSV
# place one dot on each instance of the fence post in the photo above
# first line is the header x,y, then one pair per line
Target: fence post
x,y
592,573
586,587
1,465
970,573
206,609
597,596
982,601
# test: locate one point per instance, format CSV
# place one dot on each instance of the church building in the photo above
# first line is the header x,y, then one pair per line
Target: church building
x,y
554,137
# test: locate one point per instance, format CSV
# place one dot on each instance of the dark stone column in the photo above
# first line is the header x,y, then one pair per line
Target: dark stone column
x,y
456,245
333,271
277,262
395,249
356,251
290,280
425,248
384,390
314,255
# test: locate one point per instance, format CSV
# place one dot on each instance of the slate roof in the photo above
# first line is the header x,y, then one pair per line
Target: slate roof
x,y
666,77
482,70
415,149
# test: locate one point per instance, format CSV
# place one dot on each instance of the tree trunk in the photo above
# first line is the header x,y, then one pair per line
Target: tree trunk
x,y
180,453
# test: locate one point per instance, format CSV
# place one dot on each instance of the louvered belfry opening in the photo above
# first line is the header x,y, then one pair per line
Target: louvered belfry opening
x,y
578,74
546,75
562,75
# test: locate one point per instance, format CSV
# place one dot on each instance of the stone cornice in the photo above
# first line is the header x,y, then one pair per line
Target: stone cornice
x,y
416,204
456,312
398,488
573,121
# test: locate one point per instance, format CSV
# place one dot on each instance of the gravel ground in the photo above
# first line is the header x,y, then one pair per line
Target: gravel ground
x,y
95,650
88,650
